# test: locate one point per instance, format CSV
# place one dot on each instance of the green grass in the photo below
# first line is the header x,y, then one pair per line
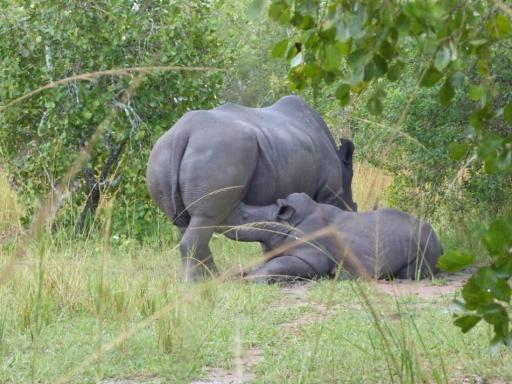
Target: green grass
x,y
322,334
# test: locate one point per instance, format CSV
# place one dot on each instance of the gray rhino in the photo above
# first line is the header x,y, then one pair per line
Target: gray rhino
x,y
210,161
384,243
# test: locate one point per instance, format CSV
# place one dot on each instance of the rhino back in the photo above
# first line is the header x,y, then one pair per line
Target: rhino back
x,y
296,152
289,145
388,236
296,149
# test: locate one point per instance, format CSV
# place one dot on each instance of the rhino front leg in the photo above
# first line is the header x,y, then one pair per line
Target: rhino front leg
x,y
285,268
197,259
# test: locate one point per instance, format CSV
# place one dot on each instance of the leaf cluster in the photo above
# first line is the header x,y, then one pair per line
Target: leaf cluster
x,y
351,47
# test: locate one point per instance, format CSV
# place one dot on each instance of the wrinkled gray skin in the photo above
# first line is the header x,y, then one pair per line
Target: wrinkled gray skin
x,y
210,161
377,244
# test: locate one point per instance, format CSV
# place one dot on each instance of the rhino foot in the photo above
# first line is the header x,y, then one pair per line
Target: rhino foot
x,y
195,270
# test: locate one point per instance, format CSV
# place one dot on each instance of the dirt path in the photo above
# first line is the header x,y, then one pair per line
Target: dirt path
x,y
424,289
242,372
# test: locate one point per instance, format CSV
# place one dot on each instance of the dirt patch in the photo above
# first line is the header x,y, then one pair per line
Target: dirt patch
x,y
476,379
134,380
294,295
424,289
240,374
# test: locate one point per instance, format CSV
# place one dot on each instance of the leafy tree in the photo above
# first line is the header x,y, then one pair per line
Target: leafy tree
x,y
253,77
349,48
43,41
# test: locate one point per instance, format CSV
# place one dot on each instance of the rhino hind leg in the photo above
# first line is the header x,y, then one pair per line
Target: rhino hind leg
x,y
286,268
197,259
424,264
420,268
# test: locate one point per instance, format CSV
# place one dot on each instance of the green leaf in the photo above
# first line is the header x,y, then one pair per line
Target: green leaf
x,y
465,323
280,48
503,267
357,59
453,261
312,71
394,71
442,58
311,39
503,24
292,50
333,56
507,114
446,94
343,94
504,161
492,284
370,71
303,22
493,313
502,290
329,77
381,65
403,24
474,295
256,8
327,34
477,92
387,50
431,77
489,146
498,239
480,116
279,10
374,105
458,150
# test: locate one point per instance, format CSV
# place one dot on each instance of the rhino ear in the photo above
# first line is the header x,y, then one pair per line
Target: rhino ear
x,y
285,212
346,151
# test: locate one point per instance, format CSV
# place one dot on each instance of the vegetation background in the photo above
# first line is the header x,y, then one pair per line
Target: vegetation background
x,y
92,293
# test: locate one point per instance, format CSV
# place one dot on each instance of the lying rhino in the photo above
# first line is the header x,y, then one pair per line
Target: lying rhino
x,y
377,244
210,161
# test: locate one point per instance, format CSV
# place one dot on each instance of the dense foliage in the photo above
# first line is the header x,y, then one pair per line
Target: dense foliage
x,y
455,49
43,41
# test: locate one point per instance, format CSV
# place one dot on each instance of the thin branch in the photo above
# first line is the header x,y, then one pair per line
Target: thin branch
x,y
112,72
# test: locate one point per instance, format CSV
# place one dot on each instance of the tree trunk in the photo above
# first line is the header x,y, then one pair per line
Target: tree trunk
x,y
95,187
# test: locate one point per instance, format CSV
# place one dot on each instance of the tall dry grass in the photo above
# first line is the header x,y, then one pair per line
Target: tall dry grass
x,y
11,210
368,186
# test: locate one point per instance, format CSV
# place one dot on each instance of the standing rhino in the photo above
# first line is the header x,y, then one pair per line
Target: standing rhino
x,y
210,161
377,244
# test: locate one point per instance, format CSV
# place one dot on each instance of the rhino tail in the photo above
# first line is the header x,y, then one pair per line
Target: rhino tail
x,y
179,215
